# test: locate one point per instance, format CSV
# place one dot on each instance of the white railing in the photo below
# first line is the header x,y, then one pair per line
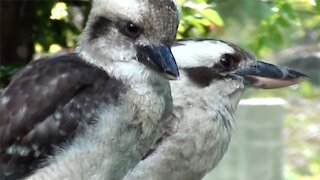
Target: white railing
x,y
256,149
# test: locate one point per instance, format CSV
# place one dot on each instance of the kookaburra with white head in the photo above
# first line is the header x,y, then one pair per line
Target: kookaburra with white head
x,y
93,114
214,75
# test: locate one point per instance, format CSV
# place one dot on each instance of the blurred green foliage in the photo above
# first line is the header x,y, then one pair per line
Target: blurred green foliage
x,y
198,18
303,160
305,90
58,24
264,26
6,72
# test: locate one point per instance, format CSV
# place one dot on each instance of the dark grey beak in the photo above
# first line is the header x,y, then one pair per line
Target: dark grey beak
x,y
268,76
160,59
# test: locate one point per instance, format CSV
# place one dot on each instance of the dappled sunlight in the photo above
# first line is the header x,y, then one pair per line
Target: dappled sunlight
x,y
59,11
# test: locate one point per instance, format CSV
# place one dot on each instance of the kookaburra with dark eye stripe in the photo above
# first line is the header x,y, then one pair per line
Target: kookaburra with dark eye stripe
x,y
93,114
214,75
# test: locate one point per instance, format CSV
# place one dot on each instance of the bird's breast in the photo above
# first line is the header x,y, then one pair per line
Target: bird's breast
x,y
152,107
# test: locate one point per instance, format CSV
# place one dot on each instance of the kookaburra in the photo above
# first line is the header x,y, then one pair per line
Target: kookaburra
x,y
214,75
93,114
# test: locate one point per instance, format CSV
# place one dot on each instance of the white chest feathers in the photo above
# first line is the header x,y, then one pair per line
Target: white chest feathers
x,y
124,132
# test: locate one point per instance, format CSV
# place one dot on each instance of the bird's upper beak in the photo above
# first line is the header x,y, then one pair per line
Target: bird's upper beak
x,y
160,59
268,76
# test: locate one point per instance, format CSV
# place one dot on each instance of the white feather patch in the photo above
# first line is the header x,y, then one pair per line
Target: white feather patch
x,y
200,53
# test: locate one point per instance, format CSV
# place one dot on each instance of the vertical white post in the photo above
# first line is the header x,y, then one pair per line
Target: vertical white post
x,y
256,149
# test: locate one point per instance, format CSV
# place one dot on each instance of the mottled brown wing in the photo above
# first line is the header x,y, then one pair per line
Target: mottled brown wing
x,y
43,105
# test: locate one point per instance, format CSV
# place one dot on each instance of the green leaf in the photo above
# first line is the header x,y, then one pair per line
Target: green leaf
x,y
204,22
306,89
287,12
201,1
318,5
283,22
275,35
213,16
195,22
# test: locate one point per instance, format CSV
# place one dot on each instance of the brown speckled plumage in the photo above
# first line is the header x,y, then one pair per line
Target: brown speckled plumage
x,y
57,95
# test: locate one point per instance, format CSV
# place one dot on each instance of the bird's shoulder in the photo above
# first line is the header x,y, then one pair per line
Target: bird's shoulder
x,y
44,85
45,105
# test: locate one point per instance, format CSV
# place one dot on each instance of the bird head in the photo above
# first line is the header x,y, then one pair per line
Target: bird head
x,y
132,32
226,70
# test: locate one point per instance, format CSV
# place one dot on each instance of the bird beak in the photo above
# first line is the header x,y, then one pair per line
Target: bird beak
x,y
160,59
268,76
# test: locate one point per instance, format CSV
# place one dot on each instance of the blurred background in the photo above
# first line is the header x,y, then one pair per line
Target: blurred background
x,y
285,32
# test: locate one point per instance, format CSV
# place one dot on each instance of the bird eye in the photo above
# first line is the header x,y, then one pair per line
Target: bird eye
x,y
228,62
132,30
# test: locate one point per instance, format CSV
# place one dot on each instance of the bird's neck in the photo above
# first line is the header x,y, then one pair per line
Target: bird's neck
x,y
106,150
130,71
199,134
206,99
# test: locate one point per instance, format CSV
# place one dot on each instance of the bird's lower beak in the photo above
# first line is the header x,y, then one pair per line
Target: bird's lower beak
x,y
268,76
160,59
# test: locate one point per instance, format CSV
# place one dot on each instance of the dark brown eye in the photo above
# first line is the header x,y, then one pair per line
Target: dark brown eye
x,y
228,62
132,30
